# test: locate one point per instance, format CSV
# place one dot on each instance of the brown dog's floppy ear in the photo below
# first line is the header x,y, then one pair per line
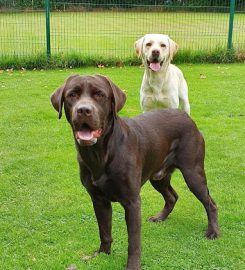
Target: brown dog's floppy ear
x,y
138,46
118,96
57,100
173,48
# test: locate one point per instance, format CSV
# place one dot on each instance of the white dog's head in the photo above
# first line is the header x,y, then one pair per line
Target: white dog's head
x,y
155,49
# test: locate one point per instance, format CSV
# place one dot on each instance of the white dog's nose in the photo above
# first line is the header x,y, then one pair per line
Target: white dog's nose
x,y
155,53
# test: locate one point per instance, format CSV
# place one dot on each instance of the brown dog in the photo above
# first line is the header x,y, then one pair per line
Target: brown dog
x,y
116,156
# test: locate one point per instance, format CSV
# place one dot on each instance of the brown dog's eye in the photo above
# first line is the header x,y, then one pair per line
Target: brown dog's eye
x,y
99,94
72,94
163,45
148,44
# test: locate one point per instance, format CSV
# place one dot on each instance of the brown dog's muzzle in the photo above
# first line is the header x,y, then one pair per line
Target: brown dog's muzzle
x,y
86,110
86,124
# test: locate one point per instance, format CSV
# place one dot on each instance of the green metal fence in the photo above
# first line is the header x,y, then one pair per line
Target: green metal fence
x,y
109,28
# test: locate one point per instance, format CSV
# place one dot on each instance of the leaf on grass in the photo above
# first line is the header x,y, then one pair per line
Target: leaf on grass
x,y
10,70
86,258
72,267
23,70
89,257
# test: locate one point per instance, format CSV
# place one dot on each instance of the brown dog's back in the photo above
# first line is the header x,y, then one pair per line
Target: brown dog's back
x,y
161,134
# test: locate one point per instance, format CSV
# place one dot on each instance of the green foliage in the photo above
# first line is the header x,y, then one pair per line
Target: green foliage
x,y
77,60
218,55
22,4
62,61
59,4
116,3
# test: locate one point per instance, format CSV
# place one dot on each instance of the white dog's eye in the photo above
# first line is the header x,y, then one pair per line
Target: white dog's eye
x,y
163,45
148,44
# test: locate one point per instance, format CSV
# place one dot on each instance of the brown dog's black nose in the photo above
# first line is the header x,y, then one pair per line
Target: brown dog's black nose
x,y
155,53
85,110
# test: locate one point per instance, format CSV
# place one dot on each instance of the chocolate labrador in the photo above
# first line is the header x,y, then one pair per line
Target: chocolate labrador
x,y
116,156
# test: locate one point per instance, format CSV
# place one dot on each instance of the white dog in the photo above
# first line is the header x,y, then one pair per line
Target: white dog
x,y
163,84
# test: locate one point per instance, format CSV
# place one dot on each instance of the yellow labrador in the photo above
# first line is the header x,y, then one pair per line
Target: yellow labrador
x,y
163,85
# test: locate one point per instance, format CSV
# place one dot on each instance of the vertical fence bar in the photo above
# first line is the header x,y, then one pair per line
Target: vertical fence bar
x,y
231,19
47,14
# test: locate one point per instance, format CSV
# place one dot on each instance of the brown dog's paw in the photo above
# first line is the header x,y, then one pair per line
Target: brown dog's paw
x,y
105,250
157,218
212,234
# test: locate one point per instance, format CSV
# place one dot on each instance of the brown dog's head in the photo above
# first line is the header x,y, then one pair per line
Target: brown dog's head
x,y
90,102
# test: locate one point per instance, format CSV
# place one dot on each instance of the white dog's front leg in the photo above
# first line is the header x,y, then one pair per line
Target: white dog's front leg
x,y
146,103
186,107
183,96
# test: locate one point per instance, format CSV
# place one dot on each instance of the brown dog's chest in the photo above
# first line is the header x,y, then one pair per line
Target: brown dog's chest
x,y
108,187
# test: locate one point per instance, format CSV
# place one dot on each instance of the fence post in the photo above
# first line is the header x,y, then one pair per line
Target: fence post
x,y
47,14
231,19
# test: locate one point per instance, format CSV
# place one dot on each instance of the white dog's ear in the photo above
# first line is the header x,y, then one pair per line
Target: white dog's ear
x,y
138,46
173,48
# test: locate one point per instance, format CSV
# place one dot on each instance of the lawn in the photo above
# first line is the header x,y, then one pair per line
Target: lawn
x,y
112,34
47,221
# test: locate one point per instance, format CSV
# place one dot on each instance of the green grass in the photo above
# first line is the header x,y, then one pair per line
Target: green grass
x,y
111,35
47,221
72,60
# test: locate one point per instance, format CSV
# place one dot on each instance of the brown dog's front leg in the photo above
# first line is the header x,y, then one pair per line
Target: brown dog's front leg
x,y
103,212
133,220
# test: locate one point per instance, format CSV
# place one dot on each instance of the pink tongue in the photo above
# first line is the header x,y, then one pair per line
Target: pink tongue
x,y
87,135
155,66
84,135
